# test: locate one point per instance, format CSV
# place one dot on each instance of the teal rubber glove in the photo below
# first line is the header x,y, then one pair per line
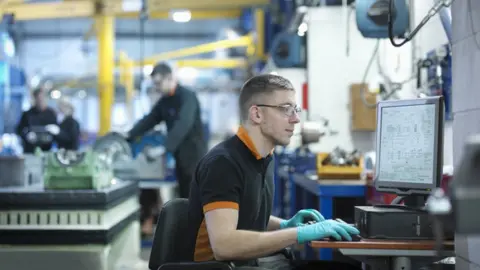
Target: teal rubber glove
x,y
326,229
300,218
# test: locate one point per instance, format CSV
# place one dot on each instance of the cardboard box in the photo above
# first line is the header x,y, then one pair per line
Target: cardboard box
x,y
363,118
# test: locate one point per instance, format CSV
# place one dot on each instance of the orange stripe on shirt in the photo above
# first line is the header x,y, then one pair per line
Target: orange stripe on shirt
x,y
220,205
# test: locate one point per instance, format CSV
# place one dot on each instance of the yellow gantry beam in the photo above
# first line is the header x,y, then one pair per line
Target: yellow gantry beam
x,y
202,4
196,14
260,31
212,63
158,9
244,41
39,11
105,29
128,81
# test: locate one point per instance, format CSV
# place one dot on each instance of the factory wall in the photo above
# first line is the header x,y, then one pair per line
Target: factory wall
x,y
331,71
466,105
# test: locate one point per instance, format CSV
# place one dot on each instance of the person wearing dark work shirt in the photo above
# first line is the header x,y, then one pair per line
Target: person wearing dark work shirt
x,y
31,127
231,194
67,134
180,109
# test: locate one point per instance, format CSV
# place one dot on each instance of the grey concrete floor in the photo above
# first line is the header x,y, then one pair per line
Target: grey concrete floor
x,y
145,254
141,264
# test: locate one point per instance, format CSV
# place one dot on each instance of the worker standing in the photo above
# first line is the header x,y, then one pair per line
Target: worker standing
x,y
67,134
180,109
32,125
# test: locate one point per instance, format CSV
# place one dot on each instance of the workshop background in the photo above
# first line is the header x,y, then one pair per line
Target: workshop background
x,y
43,47
99,54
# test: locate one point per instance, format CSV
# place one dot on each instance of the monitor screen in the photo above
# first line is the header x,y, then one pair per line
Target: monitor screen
x,y
408,152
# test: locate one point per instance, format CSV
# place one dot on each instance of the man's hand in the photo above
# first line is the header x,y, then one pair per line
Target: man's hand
x,y
301,218
52,129
125,135
31,137
326,229
152,153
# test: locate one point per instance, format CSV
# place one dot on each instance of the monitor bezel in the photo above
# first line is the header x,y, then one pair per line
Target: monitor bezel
x,y
413,188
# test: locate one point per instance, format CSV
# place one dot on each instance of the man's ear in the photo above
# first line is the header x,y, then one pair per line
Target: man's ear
x,y
255,114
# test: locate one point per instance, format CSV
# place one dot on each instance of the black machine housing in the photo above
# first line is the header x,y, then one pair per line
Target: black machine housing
x,y
392,223
396,224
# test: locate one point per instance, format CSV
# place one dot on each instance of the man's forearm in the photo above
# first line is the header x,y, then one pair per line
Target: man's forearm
x,y
242,245
274,223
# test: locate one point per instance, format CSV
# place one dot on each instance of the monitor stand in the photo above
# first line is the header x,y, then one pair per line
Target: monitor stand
x,y
411,202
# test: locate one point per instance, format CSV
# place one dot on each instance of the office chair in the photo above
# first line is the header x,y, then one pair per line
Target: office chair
x,y
171,250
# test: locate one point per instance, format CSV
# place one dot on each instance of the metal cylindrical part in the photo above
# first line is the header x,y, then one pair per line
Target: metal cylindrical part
x,y
311,132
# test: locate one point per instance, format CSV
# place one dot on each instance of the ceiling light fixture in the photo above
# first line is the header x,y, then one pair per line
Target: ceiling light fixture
x,y
181,16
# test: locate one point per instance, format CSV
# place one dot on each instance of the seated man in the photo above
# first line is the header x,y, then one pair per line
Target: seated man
x,y
232,190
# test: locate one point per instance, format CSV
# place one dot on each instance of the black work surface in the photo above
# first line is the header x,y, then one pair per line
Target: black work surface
x,y
35,197
65,237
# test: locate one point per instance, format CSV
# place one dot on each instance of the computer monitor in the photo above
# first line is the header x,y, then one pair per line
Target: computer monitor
x,y
409,146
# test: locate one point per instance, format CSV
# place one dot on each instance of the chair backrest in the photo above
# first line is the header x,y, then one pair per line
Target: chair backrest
x,y
171,243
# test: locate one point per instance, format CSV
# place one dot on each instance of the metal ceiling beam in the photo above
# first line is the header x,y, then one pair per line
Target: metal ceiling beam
x,y
167,5
212,63
158,5
39,11
244,41
86,8
118,35
196,14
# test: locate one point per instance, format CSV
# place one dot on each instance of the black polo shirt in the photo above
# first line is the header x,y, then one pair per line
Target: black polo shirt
x,y
232,175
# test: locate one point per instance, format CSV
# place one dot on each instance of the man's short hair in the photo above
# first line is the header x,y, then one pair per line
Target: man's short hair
x,y
259,86
37,92
162,69
64,101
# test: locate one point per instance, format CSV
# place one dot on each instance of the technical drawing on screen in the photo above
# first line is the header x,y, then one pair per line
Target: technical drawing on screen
x,y
409,145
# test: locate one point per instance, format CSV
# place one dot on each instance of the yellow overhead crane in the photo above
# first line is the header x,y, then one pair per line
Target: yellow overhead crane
x,y
244,41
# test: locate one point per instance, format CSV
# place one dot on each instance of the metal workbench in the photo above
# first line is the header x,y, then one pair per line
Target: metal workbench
x,y
75,229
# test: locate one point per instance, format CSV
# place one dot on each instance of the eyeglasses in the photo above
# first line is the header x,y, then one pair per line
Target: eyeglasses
x,y
288,110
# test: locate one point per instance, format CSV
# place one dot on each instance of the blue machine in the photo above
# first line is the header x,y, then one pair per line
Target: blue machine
x,y
3,96
11,100
12,80
156,139
438,64
287,50
301,161
18,92
372,18
304,161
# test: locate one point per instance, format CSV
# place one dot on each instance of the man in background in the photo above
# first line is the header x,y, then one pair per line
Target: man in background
x,y
179,108
32,126
67,134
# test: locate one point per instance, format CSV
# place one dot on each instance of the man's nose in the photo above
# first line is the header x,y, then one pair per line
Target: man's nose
x,y
295,119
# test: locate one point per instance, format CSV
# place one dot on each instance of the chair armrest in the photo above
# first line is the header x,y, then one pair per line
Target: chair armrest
x,y
288,253
212,265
